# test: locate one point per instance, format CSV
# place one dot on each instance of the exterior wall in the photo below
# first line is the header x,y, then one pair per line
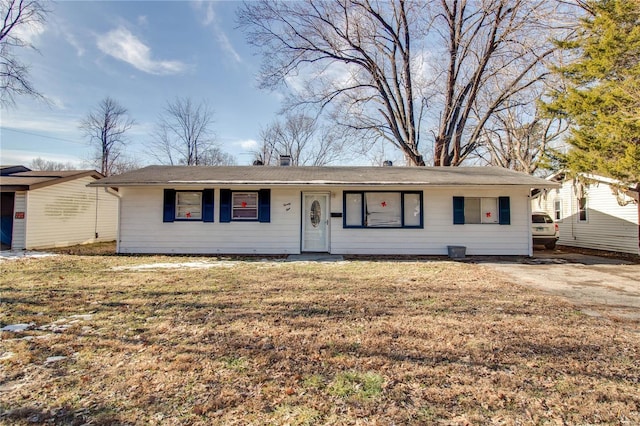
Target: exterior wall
x,y
609,225
439,230
69,213
18,239
142,229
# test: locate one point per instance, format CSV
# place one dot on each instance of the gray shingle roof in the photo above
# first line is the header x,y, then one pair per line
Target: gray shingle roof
x,y
333,176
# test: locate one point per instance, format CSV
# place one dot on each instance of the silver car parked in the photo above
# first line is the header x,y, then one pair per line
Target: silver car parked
x,y
544,230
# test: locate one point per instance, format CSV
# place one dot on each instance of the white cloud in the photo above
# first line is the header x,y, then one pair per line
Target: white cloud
x,y
24,158
123,45
29,33
209,19
35,121
247,145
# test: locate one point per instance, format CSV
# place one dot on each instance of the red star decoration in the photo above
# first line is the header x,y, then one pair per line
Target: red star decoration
x,y
188,215
244,204
488,214
383,204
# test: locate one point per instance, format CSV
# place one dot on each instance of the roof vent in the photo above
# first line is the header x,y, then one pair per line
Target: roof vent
x,y
387,163
285,160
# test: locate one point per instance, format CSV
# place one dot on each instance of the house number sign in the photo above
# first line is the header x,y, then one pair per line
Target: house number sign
x,y
19,215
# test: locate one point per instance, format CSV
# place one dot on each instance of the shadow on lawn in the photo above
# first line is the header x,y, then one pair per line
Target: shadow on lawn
x,y
66,415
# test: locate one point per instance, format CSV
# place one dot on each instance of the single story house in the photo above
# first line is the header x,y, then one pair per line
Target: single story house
x,y
593,212
338,210
44,209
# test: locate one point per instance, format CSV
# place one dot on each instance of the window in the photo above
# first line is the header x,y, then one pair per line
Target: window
x,y
379,209
582,209
481,210
245,205
188,205
557,210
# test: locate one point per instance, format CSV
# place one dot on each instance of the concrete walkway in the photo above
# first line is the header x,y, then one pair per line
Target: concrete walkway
x,y
598,286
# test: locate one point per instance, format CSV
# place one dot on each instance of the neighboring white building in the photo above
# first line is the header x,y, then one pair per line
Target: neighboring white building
x,y
593,212
339,210
44,209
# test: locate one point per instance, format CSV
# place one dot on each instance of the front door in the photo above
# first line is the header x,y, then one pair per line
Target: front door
x,y
315,222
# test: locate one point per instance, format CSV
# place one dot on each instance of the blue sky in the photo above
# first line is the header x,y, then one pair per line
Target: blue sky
x,y
142,54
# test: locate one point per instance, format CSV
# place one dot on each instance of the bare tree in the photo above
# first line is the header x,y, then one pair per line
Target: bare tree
x,y
355,52
520,140
17,16
383,65
301,137
494,51
184,136
214,156
49,165
105,127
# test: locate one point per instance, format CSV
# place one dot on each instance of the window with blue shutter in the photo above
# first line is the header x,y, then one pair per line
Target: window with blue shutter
x,y
245,206
481,210
194,206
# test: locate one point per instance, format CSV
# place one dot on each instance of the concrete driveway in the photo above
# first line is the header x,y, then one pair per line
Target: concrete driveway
x,y
598,286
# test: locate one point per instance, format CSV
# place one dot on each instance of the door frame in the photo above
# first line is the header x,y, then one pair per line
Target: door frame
x,y
327,245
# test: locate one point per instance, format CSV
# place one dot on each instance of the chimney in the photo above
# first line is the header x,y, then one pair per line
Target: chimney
x,y
387,163
285,160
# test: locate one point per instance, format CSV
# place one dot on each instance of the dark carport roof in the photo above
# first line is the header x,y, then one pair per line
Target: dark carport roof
x,y
25,181
333,176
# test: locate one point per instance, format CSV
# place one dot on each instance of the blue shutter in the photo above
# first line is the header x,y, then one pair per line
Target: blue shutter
x,y
207,205
504,210
458,210
169,214
225,205
264,205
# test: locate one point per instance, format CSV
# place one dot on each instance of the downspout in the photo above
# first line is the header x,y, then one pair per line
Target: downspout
x,y
95,223
529,233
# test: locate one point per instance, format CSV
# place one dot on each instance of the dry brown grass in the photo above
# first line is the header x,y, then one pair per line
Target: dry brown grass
x,y
360,342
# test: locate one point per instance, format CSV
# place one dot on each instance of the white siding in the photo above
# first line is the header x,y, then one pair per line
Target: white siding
x,y
70,213
609,225
143,231
439,230
19,225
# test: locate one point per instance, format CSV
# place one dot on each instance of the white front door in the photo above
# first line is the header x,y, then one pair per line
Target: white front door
x,y
315,222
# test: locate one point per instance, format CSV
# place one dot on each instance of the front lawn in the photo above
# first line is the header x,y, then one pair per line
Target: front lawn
x,y
268,342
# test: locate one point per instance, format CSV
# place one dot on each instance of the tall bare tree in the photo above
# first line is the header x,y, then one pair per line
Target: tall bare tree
x,y
355,52
301,137
494,51
184,135
520,139
17,16
105,127
383,65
